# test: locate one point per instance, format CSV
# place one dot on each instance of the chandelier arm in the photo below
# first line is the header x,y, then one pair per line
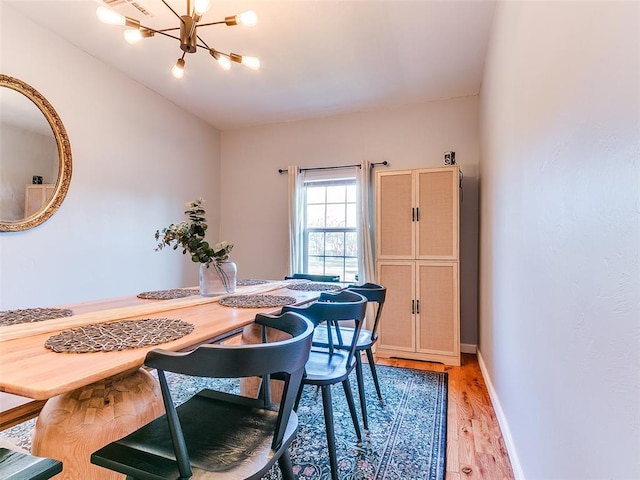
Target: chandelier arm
x,y
228,55
172,10
211,23
163,29
204,44
160,31
167,35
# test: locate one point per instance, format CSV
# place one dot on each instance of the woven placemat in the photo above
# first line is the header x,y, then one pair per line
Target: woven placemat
x,y
247,283
168,294
257,301
122,335
314,287
29,315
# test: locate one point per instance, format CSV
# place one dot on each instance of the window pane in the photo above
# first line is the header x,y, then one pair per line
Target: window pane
x,y
316,243
336,215
351,270
351,246
336,194
334,243
315,216
315,194
316,265
351,193
334,266
351,215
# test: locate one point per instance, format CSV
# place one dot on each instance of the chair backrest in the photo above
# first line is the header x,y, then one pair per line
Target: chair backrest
x,y
373,293
313,278
286,357
334,308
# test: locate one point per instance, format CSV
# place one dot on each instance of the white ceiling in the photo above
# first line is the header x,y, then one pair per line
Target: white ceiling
x,y
319,57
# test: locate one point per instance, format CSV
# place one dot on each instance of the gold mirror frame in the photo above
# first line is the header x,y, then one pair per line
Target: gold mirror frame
x,y
64,157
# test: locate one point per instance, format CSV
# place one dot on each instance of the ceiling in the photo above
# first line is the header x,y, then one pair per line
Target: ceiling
x,y
319,57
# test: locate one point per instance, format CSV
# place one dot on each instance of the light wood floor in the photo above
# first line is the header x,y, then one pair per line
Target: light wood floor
x,y
475,447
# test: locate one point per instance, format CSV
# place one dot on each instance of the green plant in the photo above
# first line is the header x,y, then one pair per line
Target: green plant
x,y
189,235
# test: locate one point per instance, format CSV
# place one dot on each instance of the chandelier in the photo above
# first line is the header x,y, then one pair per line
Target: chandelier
x,y
189,40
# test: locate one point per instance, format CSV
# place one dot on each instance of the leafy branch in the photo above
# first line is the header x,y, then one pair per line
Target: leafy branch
x,y
189,235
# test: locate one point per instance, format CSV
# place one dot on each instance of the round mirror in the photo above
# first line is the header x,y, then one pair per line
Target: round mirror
x,y
35,157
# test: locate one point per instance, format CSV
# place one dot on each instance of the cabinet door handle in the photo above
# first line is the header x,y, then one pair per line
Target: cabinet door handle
x,y
413,307
418,306
417,214
413,214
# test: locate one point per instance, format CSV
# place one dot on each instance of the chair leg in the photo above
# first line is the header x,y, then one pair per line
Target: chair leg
x,y
298,397
374,374
328,424
286,467
363,400
352,406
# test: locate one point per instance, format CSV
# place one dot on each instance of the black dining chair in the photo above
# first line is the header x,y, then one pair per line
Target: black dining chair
x,y
214,434
23,466
343,338
313,277
327,367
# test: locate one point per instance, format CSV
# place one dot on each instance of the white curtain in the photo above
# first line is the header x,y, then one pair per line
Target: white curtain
x,y
296,209
364,192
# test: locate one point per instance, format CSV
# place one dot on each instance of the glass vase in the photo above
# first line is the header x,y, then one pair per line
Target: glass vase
x,y
217,278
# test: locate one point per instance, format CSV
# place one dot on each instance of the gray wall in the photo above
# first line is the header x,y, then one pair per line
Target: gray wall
x,y
560,236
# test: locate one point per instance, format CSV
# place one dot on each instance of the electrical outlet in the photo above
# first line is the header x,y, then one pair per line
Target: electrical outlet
x,y
449,158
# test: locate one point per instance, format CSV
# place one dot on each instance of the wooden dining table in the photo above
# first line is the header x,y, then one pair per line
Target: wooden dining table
x,y
95,398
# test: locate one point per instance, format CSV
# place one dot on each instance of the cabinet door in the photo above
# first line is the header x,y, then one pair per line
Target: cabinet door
x,y
35,197
437,202
438,318
397,324
395,228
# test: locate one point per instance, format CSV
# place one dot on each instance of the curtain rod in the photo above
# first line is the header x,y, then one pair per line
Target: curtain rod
x,y
359,165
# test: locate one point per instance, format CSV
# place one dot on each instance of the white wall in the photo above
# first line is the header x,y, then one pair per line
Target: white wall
x,y
137,158
560,236
254,195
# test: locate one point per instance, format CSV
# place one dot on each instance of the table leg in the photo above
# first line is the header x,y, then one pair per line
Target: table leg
x,y
72,426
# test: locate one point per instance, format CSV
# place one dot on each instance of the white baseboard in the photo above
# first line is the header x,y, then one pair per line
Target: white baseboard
x,y
468,348
502,421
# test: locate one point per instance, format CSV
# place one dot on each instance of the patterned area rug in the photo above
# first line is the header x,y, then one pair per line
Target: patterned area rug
x,y
406,440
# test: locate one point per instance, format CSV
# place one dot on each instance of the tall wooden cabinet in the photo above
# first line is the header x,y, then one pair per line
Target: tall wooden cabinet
x,y
417,260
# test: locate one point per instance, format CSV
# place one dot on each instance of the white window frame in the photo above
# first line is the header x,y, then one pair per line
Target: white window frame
x,y
340,180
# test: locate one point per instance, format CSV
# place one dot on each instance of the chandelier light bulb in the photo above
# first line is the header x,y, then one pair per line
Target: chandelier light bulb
x,y
178,69
132,35
201,7
106,15
251,62
248,18
224,62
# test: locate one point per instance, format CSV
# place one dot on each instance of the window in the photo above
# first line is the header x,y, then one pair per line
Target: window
x,y
330,234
